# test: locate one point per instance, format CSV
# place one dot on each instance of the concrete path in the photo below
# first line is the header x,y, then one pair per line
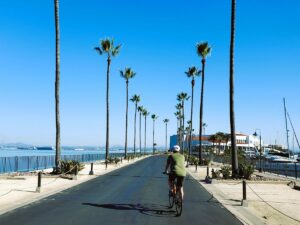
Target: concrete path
x,y
271,202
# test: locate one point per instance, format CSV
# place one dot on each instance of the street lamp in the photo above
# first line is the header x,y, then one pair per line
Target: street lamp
x,y
255,134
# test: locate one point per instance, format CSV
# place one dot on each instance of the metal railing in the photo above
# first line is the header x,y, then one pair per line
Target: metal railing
x,y
31,163
288,169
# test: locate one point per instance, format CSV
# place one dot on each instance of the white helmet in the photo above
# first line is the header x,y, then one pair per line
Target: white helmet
x,y
176,148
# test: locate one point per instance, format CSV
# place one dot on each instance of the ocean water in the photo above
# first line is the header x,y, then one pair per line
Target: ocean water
x,y
13,151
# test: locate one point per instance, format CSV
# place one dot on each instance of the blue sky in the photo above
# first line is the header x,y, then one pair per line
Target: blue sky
x,y
158,39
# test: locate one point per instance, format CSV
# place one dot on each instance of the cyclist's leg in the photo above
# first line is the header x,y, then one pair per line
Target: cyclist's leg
x,y
171,181
179,184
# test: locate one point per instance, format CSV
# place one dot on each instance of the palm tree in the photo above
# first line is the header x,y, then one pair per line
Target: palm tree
x,y
220,137
182,97
212,138
226,139
140,110
231,93
154,117
57,85
135,99
192,73
202,50
107,47
166,121
127,74
145,114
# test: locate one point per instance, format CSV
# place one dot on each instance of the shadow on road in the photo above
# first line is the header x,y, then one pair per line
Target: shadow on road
x,y
146,209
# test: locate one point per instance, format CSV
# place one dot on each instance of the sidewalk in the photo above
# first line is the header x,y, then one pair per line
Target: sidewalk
x,y
17,191
269,202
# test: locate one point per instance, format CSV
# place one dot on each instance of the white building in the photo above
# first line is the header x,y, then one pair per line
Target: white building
x,y
243,141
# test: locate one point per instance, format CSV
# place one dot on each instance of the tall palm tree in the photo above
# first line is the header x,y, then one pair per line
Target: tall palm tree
x,y
145,114
127,74
231,93
192,73
166,121
140,110
203,50
154,117
107,47
182,97
57,85
135,99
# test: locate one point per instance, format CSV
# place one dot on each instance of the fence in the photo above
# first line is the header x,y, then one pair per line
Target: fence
x,y
30,163
288,169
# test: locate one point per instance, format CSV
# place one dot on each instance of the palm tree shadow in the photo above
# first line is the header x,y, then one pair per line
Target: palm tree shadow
x,y
146,209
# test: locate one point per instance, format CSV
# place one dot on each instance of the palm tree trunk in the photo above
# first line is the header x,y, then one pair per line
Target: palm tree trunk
x,y
126,123
191,128
145,134
107,109
153,136
140,134
134,128
57,85
201,113
183,125
232,117
166,137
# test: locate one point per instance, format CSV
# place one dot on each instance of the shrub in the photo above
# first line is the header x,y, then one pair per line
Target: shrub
x,y
216,174
68,167
117,160
226,171
246,170
194,160
206,162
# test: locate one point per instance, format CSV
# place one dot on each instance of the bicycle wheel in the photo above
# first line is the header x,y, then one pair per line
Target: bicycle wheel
x,y
171,199
178,204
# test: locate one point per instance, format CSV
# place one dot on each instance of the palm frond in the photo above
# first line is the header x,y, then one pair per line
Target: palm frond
x,y
115,51
98,50
140,109
203,49
154,117
128,73
106,45
135,98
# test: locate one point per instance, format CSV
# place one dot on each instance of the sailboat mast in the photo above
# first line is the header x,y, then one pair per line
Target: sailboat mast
x,y
295,135
286,128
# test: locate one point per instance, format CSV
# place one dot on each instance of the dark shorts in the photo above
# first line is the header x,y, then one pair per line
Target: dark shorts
x,y
179,179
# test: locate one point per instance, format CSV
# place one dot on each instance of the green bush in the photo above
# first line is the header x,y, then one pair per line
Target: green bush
x,y
206,162
216,174
226,171
68,167
194,160
246,170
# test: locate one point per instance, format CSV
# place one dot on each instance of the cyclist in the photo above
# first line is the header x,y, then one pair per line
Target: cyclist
x,y
177,170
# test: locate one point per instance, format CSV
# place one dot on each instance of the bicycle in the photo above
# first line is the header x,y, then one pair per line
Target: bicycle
x,y
175,198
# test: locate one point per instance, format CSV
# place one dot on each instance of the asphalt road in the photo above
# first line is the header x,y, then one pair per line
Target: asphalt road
x,y
136,194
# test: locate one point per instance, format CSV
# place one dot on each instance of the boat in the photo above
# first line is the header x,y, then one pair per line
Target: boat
x,y
79,149
45,148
